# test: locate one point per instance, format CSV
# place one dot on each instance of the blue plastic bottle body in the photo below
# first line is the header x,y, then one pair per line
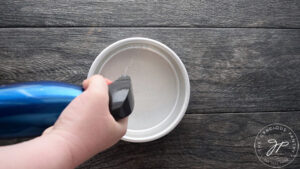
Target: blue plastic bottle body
x,y
27,109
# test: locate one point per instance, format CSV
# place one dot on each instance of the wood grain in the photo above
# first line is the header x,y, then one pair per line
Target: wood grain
x,y
144,13
241,79
201,141
230,70
213,141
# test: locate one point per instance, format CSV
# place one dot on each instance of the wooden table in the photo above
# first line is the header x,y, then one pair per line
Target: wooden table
x,y
243,59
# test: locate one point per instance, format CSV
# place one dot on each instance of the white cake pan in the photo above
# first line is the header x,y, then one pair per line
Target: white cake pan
x,y
160,85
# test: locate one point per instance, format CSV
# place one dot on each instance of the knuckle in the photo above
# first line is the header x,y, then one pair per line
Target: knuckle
x,y
97,77
123,131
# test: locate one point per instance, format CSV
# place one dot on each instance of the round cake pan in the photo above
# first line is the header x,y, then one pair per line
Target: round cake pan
x,y
160,85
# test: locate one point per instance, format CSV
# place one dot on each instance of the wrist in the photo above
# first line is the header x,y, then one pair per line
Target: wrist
x,y
47,151
74,148
57,149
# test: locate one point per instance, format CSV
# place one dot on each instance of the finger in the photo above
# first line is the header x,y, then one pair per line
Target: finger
x,y
108,82
85,83
123,122
122,126
48,130
97,83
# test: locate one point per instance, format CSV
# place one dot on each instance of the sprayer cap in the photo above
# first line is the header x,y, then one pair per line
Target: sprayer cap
x,y
121,101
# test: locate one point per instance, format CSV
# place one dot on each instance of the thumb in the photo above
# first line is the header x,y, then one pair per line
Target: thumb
x,y
86,83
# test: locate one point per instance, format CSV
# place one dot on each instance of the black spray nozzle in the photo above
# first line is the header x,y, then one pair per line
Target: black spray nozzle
x,y
121,101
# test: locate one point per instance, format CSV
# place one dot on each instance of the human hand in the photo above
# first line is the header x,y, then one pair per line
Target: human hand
x,y
86,125
84,128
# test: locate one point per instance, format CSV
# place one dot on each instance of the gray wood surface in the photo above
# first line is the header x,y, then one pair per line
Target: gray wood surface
x,y
242,56
191,13
201,141
218,141
231,70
